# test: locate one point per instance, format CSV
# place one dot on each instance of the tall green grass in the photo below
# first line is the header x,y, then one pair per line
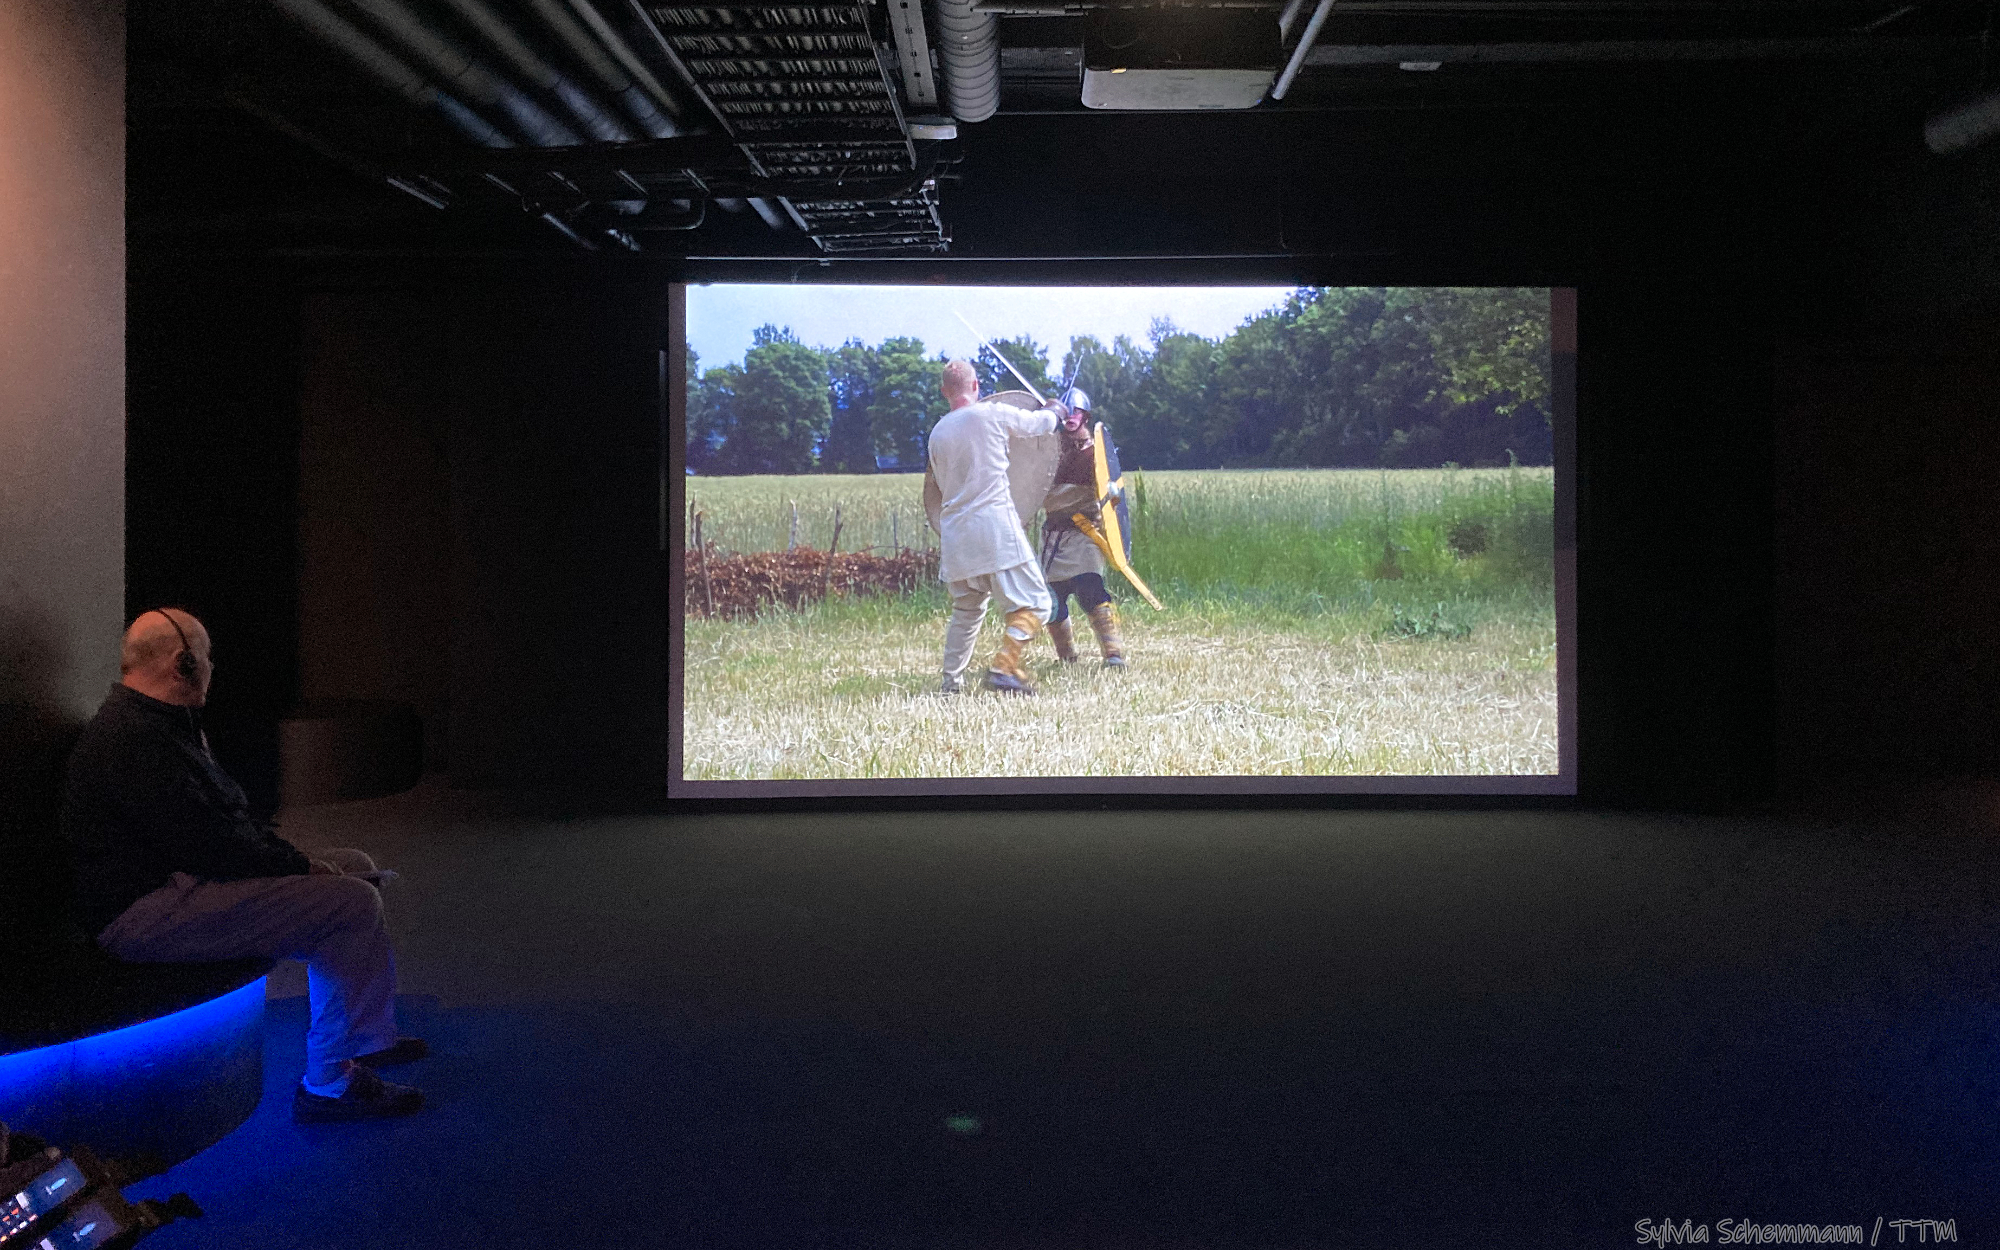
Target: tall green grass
x,y
1304,541
754,513
1358,544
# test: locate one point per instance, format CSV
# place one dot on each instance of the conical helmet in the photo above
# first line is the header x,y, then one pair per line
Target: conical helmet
x,y
1076,400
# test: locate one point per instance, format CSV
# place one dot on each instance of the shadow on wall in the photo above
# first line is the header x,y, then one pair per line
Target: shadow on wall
x,y
36,734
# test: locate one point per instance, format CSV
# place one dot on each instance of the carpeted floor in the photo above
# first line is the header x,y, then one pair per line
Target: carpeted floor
x,y
1146,1030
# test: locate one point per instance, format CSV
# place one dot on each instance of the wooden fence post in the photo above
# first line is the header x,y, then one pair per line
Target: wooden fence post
x,y
792,538
826,578
701,552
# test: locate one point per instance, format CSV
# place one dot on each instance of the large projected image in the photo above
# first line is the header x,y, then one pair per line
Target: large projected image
x,y
1286,534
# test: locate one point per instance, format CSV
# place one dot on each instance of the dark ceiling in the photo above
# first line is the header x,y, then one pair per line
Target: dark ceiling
x,y
1448,139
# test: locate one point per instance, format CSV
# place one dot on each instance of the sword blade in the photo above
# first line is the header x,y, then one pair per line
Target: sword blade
x,y
988,345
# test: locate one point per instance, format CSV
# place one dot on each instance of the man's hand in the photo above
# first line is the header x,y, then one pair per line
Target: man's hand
x,y
1061,411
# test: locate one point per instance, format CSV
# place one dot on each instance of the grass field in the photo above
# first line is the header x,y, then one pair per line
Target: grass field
x,y
1318,622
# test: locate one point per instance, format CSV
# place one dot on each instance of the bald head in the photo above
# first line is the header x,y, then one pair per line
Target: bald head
x,y
148,660
960,384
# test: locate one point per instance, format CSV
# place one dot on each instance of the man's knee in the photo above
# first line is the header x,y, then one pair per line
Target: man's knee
x,y
344,858
348,900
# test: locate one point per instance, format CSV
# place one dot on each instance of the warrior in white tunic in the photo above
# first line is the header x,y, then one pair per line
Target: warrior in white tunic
x,y
991,464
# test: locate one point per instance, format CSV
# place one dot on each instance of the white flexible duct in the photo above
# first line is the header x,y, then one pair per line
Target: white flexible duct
x,y
969,48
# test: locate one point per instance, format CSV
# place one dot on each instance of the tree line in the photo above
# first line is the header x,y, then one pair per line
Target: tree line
x,y
1333,377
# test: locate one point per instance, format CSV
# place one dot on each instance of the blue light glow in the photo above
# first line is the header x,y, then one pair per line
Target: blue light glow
x,y
40,1089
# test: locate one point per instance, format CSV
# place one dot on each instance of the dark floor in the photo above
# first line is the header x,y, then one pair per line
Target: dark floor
x,y
1150,1030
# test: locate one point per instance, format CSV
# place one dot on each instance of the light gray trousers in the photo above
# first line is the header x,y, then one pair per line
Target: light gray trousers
x,y
1019,587
333,923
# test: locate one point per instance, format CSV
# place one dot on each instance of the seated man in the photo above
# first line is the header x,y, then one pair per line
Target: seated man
x,y
172,868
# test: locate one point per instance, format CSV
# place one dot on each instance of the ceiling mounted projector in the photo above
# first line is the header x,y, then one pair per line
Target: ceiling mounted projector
x,y
1172,59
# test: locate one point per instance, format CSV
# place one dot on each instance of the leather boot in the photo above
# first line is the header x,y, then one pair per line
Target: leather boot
x,y
1104,620
1007,672
1065,645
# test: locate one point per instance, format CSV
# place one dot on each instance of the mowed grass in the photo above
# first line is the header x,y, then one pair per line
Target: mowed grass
x,y
843,693
1275,655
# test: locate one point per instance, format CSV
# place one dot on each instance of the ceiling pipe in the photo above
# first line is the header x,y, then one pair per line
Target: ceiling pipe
x,y
769,212
597,121
563,227
969,48
1968,125
463,70
622,52
1284,82
630,96
387,69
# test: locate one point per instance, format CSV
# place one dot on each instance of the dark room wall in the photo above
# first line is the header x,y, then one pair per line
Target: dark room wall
x,y
1760,503
1887,402
211,486
1673,543
62,350
375,546
1888,595
479,452
558,607
479,521
62,402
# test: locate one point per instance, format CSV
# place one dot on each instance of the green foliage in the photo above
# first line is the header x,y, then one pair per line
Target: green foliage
x,y
711,412
779,415
1423,627
852,369
1030,357
1467,537
906,403
1334,377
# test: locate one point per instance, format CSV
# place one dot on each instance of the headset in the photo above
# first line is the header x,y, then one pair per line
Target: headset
x,y
185,664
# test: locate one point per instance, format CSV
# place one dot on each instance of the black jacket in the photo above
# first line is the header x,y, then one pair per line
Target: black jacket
x,y
146,800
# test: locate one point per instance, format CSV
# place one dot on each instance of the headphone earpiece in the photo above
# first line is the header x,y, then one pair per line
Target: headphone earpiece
x,y
185,664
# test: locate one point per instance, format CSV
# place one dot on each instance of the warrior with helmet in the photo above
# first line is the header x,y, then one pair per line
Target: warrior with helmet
x,y
1072,562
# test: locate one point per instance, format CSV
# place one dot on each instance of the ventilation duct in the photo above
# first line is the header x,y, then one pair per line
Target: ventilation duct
x,y
969,47
464,71
630,94
337,32
534,67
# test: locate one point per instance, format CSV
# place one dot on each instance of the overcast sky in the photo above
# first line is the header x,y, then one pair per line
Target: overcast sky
x,y
721,316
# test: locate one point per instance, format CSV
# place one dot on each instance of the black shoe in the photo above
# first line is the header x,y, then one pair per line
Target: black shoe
x,y
1006,683
368,1097
406,1050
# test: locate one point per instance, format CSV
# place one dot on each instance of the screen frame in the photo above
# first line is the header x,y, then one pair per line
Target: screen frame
x,y
1472,789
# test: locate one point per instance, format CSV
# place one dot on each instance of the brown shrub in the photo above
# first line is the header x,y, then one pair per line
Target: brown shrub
x,y
745,584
